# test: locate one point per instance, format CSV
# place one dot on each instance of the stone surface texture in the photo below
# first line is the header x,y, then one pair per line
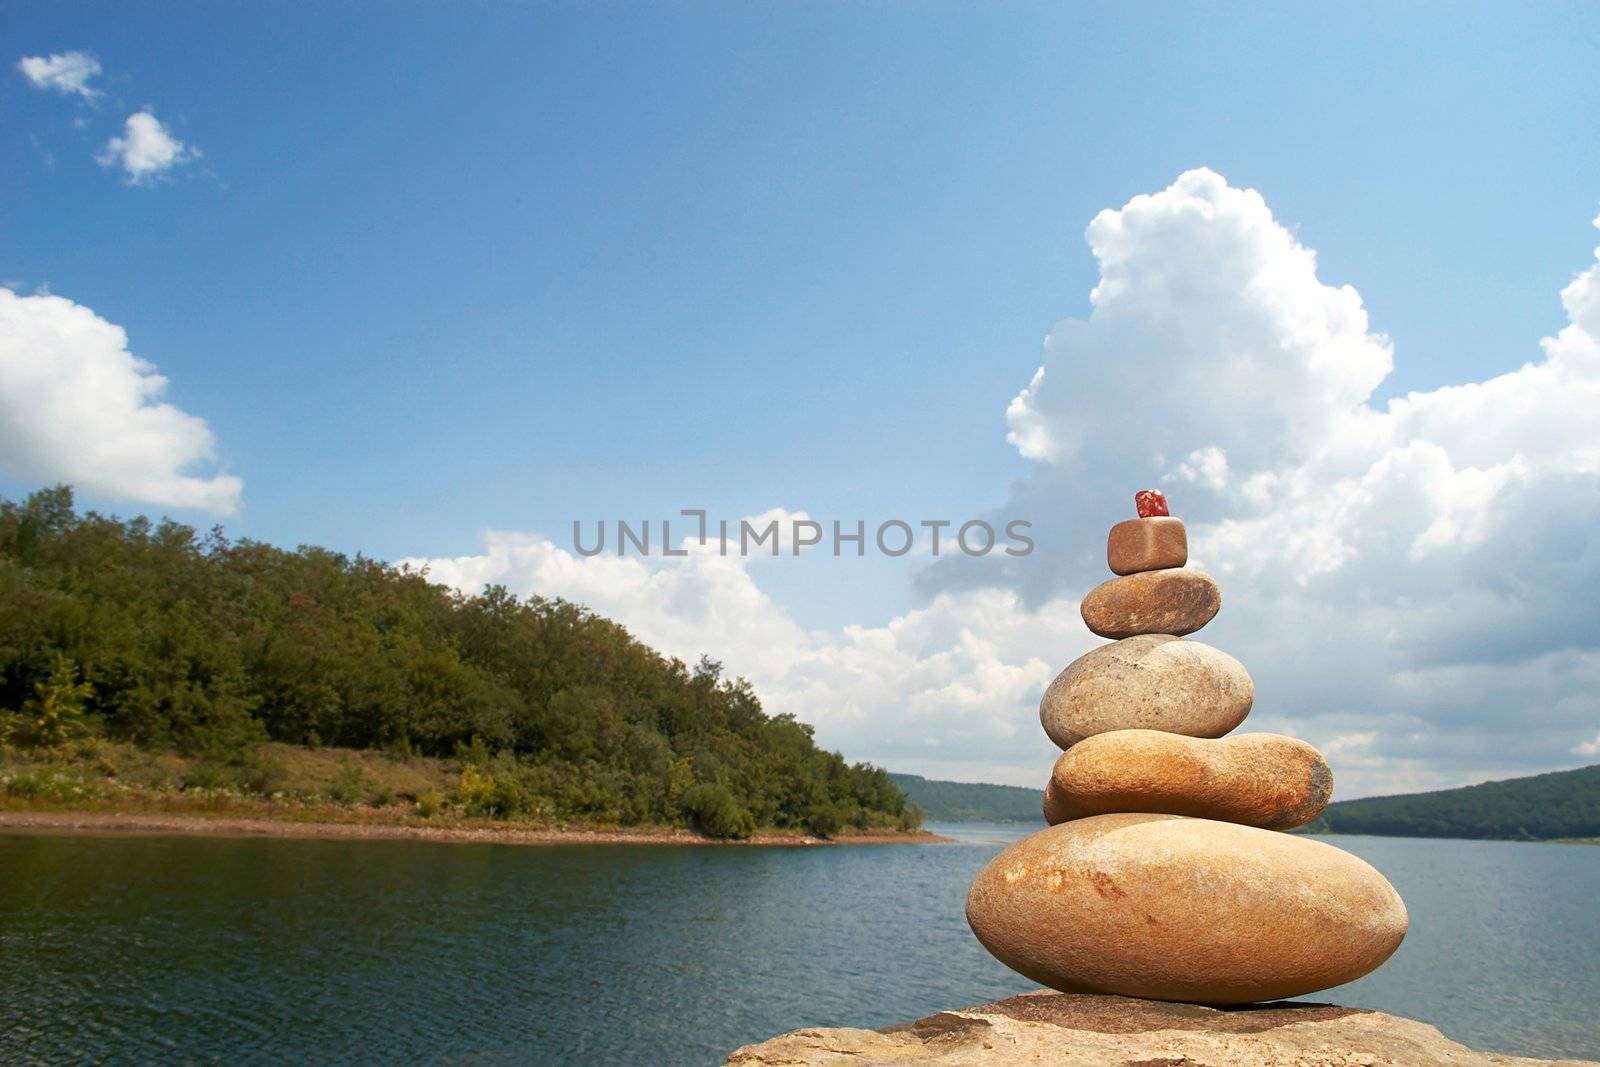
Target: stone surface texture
x,y
1266,780
1057,808
1176,601
1150,682
1147,545
1070,1030
1173,908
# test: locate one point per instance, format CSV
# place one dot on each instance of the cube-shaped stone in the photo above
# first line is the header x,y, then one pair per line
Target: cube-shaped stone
x,y
1147,545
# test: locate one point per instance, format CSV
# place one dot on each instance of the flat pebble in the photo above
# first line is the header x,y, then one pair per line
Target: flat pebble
x,y
1176,601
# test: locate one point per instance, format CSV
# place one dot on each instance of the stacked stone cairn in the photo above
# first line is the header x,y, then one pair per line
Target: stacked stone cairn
x,y
1164,872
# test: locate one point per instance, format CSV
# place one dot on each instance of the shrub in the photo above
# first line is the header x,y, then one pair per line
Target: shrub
x,y
475,754
428,803
349,786
48,784
54,715
245,769
824,820
586,799
207,774
508,798
713,811
259,776
481,793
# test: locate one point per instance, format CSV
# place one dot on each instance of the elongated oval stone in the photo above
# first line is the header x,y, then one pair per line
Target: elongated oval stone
x,y
1171,908
1266,780
1176,601
1147,545
1150,682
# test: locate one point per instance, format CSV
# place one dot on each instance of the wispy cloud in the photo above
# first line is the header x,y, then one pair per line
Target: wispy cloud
x,y
64,72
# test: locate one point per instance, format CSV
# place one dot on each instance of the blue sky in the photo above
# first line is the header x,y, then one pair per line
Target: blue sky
x,y
442,269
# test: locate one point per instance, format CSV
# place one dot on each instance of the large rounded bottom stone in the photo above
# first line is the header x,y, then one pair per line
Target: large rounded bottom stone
x,y
1173,908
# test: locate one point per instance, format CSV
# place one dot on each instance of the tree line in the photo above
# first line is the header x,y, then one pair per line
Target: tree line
x,y
154,633
972,801
1539,807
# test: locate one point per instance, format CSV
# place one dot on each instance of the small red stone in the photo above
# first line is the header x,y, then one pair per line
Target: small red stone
x,y
1150,502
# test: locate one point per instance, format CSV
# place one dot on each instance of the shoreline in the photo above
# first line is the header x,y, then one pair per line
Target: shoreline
x,y
113,824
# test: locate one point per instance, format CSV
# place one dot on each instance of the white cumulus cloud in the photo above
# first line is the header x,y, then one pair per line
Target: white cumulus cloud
x,y
1406,570
76,406
146,150
954,684
1408,581
64,72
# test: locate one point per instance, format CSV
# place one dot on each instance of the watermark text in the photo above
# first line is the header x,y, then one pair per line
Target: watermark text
x,y
743,537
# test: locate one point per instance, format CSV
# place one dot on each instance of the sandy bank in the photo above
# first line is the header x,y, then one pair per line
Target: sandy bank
x,y
101,822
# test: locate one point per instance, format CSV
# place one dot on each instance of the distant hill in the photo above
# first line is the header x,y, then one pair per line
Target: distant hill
x,y
1558,804
971,801
1538,808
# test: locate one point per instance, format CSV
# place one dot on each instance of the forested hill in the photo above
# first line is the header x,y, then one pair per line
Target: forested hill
x,y
1559,804
151,633
971,801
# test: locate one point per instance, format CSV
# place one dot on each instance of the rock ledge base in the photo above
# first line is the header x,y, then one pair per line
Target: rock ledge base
x,y
1075,1030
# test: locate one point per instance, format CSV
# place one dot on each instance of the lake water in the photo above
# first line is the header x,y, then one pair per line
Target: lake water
x,y
149,949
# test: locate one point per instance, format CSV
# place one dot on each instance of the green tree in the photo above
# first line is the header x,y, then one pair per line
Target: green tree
x,y
173,639
54,715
